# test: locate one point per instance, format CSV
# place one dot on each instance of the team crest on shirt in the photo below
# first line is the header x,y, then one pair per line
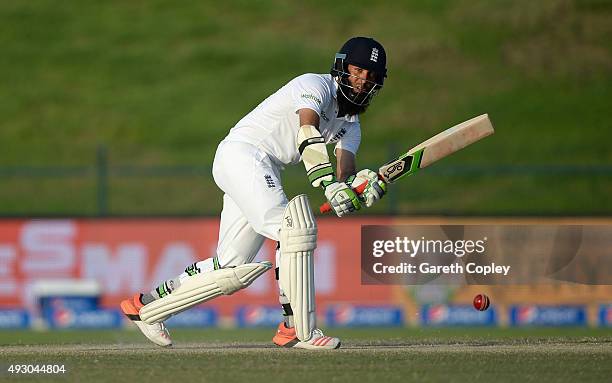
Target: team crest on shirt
x,y
324,116
269,181
338,135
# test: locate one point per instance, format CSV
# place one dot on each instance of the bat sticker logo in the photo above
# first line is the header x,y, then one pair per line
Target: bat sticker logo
x,y
396,169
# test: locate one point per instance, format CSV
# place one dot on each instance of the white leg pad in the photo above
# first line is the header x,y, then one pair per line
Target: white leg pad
x,y
201,288
298,239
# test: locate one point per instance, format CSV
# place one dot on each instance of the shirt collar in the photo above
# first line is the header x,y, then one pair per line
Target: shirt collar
x,y
334,87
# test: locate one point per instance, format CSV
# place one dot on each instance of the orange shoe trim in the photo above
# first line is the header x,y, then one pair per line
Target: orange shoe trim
x,y
137,303
285,337
129,310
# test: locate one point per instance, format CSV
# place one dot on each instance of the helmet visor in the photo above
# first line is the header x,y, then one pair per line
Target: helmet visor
x,y
357,89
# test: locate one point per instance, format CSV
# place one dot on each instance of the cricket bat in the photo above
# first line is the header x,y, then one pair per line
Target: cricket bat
x,y
426,153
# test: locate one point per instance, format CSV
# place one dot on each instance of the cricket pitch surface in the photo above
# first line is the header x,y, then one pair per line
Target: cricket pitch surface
x,y
367,355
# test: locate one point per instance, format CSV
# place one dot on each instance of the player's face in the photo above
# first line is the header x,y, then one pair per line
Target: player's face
x,y
362,80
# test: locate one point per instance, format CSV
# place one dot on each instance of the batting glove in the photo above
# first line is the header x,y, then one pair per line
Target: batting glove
x,y
375,189
342,199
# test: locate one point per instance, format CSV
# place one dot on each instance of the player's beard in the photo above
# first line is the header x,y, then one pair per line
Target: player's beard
x,y
345,106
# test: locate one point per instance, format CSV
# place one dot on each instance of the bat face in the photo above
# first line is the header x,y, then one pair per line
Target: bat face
x,y
430,151
439,146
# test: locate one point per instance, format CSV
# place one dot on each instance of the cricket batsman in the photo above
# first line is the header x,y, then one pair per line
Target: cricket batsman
x,y
292,125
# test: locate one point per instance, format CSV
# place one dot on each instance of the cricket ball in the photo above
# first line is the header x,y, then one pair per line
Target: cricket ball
x,y
481,302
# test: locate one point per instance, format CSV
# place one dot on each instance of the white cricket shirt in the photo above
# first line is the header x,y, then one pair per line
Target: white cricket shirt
x,y
273,125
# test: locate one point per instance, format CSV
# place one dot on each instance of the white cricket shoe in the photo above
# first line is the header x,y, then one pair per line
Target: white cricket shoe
x,y
156,333
285,337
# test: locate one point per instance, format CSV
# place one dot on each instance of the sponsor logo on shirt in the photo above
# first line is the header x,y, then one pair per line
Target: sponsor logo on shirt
x,y
338,135
311,97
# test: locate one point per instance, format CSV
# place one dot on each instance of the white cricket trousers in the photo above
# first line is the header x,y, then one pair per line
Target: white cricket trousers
x,y
253,203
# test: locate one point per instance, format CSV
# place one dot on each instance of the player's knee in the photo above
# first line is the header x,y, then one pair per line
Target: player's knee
x,y
242,250
269,223
231,257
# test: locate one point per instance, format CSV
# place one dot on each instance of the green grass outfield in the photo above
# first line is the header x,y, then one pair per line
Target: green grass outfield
x,y
367,355
160,84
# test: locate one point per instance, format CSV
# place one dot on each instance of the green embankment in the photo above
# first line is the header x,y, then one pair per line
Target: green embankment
x,y
160,84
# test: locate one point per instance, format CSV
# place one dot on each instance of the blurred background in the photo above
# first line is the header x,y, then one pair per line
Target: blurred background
x,y
114,110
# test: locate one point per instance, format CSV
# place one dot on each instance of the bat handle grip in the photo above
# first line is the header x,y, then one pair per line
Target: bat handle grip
x,y
326,207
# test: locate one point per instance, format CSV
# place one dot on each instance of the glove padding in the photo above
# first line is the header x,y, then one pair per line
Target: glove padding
x,y
342,199
375,189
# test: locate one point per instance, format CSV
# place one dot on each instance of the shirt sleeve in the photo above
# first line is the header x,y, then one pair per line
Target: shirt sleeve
x,y
351,140
311,92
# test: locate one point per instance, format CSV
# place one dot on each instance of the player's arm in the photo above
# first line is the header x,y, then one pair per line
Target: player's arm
x,y
345,164
311,146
